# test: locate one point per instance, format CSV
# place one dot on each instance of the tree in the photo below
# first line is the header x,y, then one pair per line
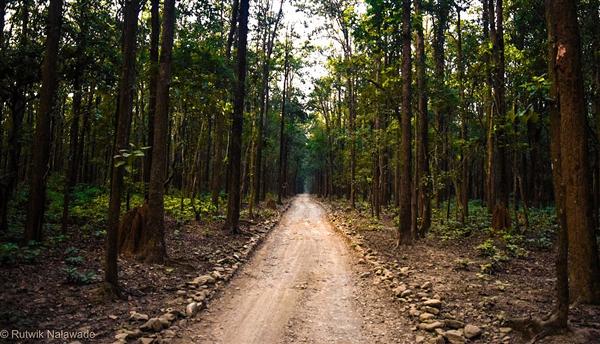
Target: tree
x,y
153,82
37,182
500,215
422,138
237,121
155,250
282,189
405,235
584,271
131,10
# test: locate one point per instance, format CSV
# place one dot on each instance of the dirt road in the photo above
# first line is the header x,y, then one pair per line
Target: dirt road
x,y
301,286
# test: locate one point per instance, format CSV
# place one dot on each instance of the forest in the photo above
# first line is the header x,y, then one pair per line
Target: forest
x,y
300,171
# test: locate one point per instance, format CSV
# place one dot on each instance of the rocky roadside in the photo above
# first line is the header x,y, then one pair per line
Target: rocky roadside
x,y
434,321
191,297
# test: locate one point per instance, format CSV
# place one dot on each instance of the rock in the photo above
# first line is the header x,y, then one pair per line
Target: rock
x,y
472,331
120,336
202,280
216,275
146,340
169,334
454,337
430,326
430,310
454,324
505,330
426,285
399,290
406,293
191,309
419,339
433,303
438,340
137,316
153,324
181,293
426,316
414,312
365,274
166,319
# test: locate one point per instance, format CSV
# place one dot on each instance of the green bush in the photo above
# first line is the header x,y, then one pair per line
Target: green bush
x,y
487,248
8,252
74,276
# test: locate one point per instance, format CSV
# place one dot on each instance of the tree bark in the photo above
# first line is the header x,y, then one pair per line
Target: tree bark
x,y
422,138
126,91
154,41
405,235
237,122
500,214
37,182
155,250
281,177
575,170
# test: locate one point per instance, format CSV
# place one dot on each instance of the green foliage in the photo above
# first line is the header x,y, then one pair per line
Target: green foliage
x,y
73,275
8,252
76,277
487,248
11,253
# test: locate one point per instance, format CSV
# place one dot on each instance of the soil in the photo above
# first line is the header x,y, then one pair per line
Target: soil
x,y
324,274
522,288
301,286
37,296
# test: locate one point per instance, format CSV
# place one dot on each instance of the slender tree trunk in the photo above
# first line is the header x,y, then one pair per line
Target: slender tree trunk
x,y
73,163
237,121
131,10
500,214
584,272
281,178
17,106
40,170
562,274
405,235
441,110
422,139
154,38
155,250
462,190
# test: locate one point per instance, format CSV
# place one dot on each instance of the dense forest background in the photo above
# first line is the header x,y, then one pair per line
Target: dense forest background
x,y
438,114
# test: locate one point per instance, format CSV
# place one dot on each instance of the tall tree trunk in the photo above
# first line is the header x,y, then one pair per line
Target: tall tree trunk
x,y
462,191
155,249
584,271
422,139
281,177
73,163
500,214
237,122
17,104
562,276
255,195
154,38
37,182
405,235
126,91
441,110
